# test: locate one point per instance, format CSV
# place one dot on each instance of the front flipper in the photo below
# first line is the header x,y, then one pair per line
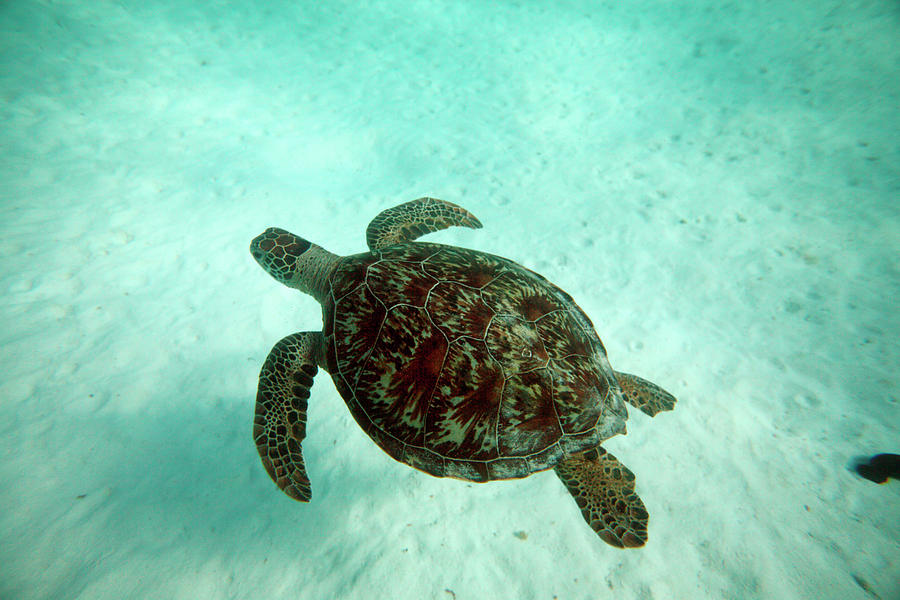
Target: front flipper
x,y
411,220
280,421
603,488
642,394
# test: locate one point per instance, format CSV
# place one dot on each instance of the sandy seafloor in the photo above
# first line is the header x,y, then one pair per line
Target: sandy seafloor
x,y
716,184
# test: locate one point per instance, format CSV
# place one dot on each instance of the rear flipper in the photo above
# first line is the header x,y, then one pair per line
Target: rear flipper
x,y
645,395
603,488
280,421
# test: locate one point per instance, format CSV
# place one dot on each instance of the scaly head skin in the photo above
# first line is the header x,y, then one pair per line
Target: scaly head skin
x,y
293,261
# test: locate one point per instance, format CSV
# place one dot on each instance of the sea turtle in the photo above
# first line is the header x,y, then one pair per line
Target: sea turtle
x,y
456,362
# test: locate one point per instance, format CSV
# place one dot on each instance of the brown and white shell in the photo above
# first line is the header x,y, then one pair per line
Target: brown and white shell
x,y
464,364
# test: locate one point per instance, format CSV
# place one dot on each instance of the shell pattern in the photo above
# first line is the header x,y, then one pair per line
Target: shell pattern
x,y
467,365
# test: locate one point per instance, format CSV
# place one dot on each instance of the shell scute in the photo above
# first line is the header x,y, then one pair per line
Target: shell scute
x,y
515,344
462,418
459,310
399,283
580,394
545,459
509,468
355,333
472,470
398,378
425,460
395,448
562,336
521,293
474,269
527,423
350,273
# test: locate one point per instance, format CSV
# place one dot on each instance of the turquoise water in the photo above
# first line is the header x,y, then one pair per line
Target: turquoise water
x,y
716,185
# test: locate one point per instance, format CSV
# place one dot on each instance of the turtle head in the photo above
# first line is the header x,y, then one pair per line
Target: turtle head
x,y
293,261
278,252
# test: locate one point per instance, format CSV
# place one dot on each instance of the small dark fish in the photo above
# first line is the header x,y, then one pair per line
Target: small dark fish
x,y
880,467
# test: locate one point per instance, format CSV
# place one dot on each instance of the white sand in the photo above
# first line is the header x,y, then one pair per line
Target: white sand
x,y
717,186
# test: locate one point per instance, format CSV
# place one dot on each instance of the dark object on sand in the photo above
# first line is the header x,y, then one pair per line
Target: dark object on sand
x,y
880,467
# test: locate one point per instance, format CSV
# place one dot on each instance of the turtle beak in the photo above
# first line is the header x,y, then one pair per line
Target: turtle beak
x,y
255,250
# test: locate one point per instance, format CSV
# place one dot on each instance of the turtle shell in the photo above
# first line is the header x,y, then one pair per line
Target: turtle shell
x,y
464,364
